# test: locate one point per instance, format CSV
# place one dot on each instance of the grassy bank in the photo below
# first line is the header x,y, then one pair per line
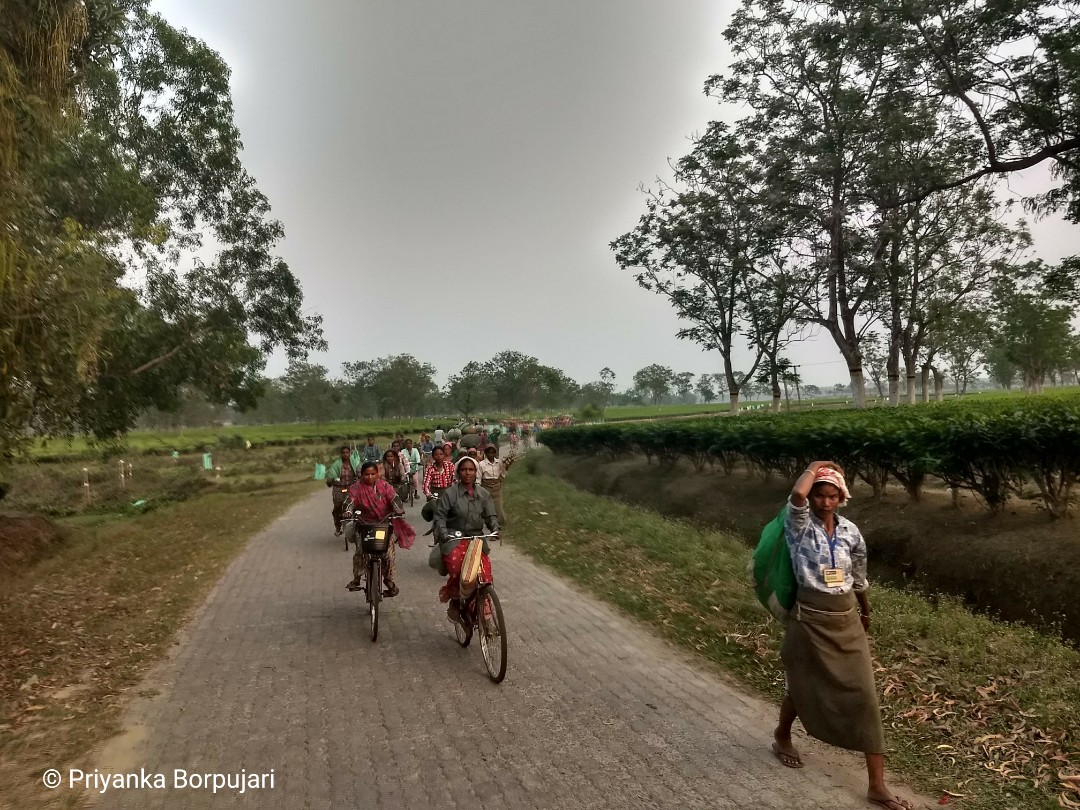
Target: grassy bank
x,y
81,626
150,482
982,710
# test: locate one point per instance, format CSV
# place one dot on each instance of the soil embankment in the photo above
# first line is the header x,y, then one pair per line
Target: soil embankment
x,y
25,540
1017,565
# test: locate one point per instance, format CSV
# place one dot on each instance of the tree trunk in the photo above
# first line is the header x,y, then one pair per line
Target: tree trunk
x,y
911,376
858,387
893,370
939,385
734,398
924,376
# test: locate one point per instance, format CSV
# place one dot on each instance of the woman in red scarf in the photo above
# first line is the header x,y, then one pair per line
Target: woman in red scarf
x,y
374,501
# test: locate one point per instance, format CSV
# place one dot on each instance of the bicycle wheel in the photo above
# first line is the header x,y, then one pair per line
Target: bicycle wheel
x,y
489,617
463,630
374,594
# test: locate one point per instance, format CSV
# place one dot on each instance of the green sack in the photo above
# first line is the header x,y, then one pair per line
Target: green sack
x,y
771,569
435,560
320,472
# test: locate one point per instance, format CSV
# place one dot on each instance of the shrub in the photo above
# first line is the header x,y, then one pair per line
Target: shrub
x,y
993,447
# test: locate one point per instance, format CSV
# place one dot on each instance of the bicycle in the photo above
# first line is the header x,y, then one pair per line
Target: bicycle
x,y
374,541
479,609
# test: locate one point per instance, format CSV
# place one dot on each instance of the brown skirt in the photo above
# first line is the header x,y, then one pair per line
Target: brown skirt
x,y
830,676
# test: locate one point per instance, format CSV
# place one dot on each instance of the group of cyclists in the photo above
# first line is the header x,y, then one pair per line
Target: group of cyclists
x,y
459,472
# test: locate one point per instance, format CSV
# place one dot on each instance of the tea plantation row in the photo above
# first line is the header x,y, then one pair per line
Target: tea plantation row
x,y
993,447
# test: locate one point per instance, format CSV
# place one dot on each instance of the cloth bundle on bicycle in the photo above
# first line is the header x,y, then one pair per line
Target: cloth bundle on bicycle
x,y
771,570
470,567
427,511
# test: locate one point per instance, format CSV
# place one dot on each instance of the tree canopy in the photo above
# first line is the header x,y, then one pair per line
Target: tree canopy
x,y
137,256
858,194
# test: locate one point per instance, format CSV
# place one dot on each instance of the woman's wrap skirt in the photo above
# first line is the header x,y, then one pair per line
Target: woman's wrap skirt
x,y
830,675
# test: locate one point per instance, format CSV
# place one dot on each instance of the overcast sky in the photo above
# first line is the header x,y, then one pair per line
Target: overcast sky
x,y
451,154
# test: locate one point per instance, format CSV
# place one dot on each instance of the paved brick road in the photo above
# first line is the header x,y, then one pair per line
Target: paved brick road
x,y
276,672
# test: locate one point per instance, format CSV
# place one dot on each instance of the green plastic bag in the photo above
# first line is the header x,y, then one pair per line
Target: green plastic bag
x,y
771,569
320,472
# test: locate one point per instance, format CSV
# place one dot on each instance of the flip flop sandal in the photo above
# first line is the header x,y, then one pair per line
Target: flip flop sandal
x,y
906,805
787,760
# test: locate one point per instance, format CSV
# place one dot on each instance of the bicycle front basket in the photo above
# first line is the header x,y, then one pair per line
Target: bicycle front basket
x,y
376,539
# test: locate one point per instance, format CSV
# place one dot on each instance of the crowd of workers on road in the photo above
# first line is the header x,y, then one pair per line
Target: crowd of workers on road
x,y
829,674
460,474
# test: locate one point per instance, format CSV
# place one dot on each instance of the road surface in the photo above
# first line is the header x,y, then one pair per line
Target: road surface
x,y
276,671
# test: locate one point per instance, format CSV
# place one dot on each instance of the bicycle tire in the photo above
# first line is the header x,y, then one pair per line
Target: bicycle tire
x,y
463,631
374,595
492,639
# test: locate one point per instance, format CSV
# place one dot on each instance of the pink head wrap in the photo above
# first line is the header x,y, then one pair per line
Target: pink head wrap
x,y
828,475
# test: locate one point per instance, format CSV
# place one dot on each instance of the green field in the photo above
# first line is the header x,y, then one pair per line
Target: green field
x,y
193,440
199,439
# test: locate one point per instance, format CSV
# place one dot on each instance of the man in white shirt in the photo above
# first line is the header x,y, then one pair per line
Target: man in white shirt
x,y
439,438
491,474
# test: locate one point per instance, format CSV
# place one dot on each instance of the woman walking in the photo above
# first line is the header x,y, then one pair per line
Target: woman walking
x,y
829,672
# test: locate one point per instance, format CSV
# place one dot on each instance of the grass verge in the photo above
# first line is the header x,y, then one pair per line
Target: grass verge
x,y
81,627
980,713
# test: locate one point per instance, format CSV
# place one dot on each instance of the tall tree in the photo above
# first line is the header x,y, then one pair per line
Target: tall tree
x,y
514,379
709,246
1010,69
469,390
965,336
1033,325
683,383
705,388
119,152
56,282
309,392
655,381
398,385
817,77
554,389
607,385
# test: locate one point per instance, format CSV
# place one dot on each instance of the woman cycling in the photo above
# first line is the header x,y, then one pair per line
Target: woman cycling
x,y
465,507
373,502
393,471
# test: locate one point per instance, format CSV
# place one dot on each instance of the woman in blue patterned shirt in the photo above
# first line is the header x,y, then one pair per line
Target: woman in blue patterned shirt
x,y
826,655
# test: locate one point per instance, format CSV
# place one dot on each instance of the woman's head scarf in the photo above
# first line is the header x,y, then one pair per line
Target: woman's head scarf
x,y
457,466
828,475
